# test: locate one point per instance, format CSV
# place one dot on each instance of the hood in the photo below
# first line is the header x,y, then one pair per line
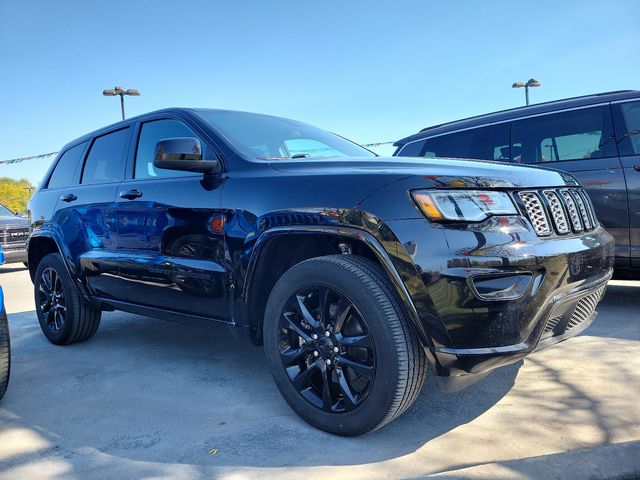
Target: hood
x,y
13,222
439,172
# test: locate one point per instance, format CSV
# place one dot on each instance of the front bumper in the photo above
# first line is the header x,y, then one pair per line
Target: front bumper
x,y
15,252
469,335
564,316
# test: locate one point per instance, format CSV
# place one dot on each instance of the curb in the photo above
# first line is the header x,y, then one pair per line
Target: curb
x,y
612,462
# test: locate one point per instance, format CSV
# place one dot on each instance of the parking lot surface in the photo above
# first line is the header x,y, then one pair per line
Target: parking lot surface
x,y
150,399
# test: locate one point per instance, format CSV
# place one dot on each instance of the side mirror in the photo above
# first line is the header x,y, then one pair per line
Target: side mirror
x,y
183,154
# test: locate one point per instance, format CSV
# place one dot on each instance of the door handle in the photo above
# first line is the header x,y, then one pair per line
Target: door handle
x,y
637,167
68,198
131,194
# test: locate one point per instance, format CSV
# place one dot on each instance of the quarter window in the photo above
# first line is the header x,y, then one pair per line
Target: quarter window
x,y
150,134
574,135
412,149
64,172
105,161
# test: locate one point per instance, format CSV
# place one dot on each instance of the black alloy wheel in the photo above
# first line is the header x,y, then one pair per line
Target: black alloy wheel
x,y
326,348
51,299
65,316
339,345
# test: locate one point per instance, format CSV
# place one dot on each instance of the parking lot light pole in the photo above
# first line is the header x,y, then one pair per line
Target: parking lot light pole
x,y
112,92
532,82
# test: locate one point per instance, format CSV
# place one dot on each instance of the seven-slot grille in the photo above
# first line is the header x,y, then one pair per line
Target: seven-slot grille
x,y
558,211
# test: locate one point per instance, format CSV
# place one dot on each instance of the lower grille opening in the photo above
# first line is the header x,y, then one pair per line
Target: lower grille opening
x,y
574,316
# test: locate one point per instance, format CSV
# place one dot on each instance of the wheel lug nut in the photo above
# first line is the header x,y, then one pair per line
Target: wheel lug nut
x,y
327,333
328,362
315,353
336,349
314,336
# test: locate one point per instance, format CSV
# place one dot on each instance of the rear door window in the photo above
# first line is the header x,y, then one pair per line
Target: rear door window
x,y
106,159
498,147
575,135
467,144
64,173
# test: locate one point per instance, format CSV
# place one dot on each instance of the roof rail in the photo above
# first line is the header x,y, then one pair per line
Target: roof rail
x,y
526,106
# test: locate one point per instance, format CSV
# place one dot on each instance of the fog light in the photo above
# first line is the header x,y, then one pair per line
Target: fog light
x,y
501,287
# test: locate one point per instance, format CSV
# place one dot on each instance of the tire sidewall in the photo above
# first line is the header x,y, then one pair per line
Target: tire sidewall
x,y
383,391
5,347
54,260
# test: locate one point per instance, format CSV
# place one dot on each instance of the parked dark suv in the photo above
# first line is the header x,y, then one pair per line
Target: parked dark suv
x,y
595,137
14,231
354,271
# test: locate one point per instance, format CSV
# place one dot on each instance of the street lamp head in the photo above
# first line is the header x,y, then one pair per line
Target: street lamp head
x,y
518,85
532,82
121,92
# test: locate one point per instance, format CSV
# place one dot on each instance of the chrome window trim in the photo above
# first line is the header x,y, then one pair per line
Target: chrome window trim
x,y
636,99
507,121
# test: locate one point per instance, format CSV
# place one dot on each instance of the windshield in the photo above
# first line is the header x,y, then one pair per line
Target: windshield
x,y
272,138
5,212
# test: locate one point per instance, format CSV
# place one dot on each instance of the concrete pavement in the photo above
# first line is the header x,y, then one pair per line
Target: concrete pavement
x,y
150,399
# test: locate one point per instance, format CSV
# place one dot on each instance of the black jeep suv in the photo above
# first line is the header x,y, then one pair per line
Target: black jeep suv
x,y
354,271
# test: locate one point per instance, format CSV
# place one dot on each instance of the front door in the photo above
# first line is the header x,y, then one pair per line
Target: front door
x,y
627,123
171,249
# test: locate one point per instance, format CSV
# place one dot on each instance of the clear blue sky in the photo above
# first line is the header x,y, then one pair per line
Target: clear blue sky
x,y
370,70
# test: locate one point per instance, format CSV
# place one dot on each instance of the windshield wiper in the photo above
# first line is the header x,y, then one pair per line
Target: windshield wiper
x,y
297,156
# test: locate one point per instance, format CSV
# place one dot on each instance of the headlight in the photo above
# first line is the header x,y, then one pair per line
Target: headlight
x,y
463,205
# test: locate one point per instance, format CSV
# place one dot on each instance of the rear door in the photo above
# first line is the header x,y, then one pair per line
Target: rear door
x,y
64,175
171,230
85,212
582,142
627,125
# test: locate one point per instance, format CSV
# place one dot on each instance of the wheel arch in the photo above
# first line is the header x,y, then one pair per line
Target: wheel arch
x,y
43,242
273,255
40,245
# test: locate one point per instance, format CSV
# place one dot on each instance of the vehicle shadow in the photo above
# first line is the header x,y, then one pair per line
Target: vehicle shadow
x,y
12,267
151,391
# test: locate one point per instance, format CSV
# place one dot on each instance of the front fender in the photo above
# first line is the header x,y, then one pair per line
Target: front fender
x,y
362,227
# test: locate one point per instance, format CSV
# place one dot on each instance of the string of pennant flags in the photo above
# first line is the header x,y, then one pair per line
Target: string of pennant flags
x,y
32,157
51,154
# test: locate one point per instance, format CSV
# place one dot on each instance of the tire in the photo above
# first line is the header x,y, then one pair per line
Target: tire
x,y
5,352
77,320
391,348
